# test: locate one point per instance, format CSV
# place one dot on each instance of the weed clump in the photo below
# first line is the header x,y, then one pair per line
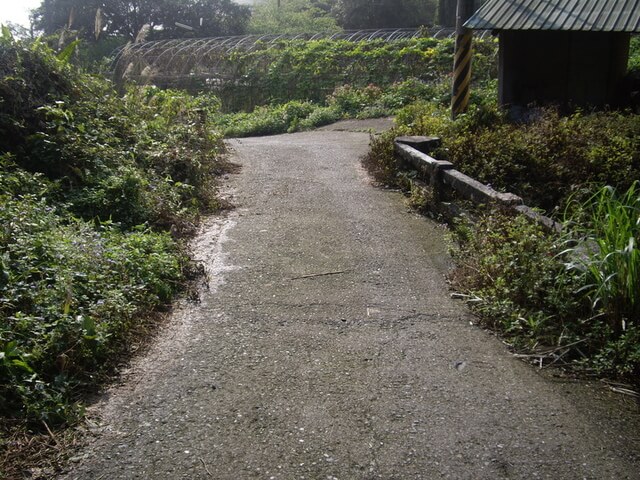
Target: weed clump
x,y
575,305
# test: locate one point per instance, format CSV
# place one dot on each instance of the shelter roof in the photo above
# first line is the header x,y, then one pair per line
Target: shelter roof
x,y
560,15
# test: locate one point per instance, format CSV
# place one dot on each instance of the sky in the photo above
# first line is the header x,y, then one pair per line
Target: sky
x,y
17,11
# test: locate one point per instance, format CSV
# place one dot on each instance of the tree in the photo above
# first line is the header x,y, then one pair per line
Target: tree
x,y
127,17
208,18
365,14
292,16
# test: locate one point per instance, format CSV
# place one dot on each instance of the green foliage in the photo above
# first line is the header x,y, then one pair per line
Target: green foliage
x,y
267,120
90,182
350,100
69,293
293,16
30,77
382,162
120,159
311,70
634,54
319,117
96,56
606,231
365,14
346,101
516,277
509,266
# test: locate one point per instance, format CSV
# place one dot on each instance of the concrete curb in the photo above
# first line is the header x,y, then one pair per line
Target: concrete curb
x,y
444,180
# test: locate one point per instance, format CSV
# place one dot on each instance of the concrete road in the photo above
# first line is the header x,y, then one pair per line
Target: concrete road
x,y
328,347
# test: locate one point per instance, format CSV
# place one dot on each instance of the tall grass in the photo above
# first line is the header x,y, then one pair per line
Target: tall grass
x,y
607,254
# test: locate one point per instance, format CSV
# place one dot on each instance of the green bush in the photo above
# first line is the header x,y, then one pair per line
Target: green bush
x,y
511,269
69,290
350,100
266,120
319,117
346,101
150,157
90,184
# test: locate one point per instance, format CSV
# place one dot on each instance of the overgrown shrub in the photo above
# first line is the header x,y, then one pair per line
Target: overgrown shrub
x,y
346,101
90,184
266,120
564,305
518,285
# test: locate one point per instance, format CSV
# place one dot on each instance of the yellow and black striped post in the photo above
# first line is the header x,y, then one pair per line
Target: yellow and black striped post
x,y
462,60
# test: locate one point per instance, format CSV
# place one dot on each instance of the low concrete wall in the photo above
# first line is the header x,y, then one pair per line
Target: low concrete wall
x,y
442,178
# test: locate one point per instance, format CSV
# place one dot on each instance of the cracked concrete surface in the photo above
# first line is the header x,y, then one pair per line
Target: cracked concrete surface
x,y
328,348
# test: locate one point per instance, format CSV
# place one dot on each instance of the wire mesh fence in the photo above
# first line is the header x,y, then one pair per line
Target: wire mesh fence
x,y
220,64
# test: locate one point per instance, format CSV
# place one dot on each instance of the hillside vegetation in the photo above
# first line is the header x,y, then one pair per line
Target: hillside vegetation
x,y
90,185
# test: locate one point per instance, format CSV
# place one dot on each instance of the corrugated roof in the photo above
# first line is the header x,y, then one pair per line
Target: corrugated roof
x,y
580,15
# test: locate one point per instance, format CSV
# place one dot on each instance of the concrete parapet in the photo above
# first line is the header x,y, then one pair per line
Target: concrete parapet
x,y
442,176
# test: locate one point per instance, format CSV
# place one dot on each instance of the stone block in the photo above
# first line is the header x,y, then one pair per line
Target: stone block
x,y
420,143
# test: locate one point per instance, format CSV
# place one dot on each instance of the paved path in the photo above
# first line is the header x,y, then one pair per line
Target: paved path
x,y
328,348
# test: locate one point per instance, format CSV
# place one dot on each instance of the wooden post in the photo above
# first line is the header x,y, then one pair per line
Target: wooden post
x,y
462,60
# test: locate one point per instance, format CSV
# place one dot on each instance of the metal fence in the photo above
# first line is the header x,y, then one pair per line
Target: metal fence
x,y
204,58
208,63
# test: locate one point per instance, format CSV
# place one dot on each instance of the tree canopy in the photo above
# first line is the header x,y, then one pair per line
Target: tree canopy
x,y
292,16
364,14
128,17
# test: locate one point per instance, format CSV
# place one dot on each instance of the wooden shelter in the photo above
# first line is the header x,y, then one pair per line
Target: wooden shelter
x,y
563,52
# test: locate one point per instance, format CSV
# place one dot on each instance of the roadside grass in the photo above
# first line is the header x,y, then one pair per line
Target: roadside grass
x,y
347,101
574,307
604,232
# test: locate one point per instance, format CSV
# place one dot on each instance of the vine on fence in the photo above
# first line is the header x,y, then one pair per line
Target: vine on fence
x,y
280,70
